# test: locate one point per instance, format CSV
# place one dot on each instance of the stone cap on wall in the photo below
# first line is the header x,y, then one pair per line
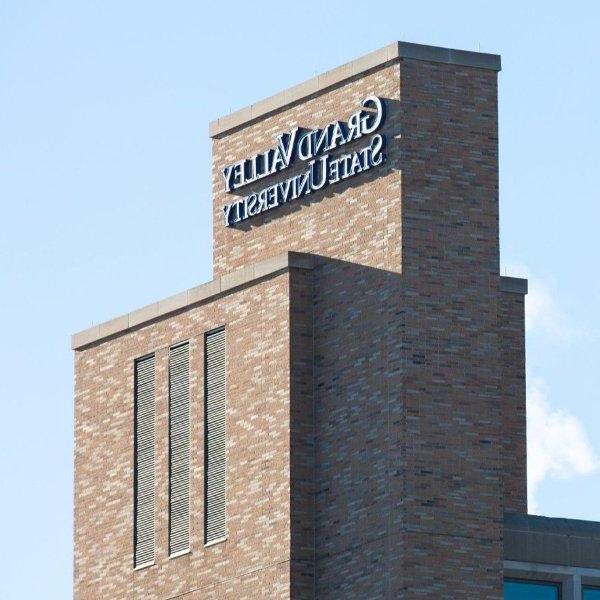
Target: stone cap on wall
x,y
545,540
208,291
201,293
389,53
516,285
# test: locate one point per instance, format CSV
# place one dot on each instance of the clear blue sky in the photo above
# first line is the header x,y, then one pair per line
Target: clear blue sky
x,y
105,204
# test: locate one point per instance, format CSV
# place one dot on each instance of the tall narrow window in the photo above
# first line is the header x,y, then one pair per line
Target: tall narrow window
x,y
215,451
144,459
179,449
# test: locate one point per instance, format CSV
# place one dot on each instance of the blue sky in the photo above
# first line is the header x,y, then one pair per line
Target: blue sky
x,y
105,204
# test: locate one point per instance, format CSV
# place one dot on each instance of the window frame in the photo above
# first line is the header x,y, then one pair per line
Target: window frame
x,y
572,579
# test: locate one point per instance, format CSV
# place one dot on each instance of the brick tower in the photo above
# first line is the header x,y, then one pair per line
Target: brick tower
x,y
340,412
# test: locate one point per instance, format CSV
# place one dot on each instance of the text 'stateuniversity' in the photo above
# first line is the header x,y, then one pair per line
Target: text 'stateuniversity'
x,y
340,412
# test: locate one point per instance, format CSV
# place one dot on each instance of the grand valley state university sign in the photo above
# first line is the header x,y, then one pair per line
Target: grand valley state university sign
x,y
313,146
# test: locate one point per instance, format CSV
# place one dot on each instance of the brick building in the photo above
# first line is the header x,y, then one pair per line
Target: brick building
x,y
340,412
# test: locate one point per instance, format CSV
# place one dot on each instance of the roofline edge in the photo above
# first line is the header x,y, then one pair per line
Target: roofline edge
x,y
323,81
201,293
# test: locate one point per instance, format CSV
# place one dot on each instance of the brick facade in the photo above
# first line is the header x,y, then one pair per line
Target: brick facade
x,y
514,426
375,383
366,231
258,386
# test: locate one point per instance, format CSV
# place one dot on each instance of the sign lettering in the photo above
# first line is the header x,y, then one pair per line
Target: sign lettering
x,y
314,147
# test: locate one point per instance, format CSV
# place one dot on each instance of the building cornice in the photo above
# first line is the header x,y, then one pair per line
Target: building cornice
x,y
390,53
515,285
206,292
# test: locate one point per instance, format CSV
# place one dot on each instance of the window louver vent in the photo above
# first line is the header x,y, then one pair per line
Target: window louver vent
x,y
144,458
179,449
215,440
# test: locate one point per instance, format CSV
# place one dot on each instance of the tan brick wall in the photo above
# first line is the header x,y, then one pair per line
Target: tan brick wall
x,y
376,400
258,429
357,219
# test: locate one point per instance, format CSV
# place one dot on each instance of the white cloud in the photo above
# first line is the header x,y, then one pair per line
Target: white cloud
x,y
543,314
557,444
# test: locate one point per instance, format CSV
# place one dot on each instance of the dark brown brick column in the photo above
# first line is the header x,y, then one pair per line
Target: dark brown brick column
x,y
514,426
451,503
302,448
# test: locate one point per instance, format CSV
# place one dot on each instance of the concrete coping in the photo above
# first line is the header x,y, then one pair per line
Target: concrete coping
x,y
551,525
516,285
531,540
205,292
208,291
389,53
